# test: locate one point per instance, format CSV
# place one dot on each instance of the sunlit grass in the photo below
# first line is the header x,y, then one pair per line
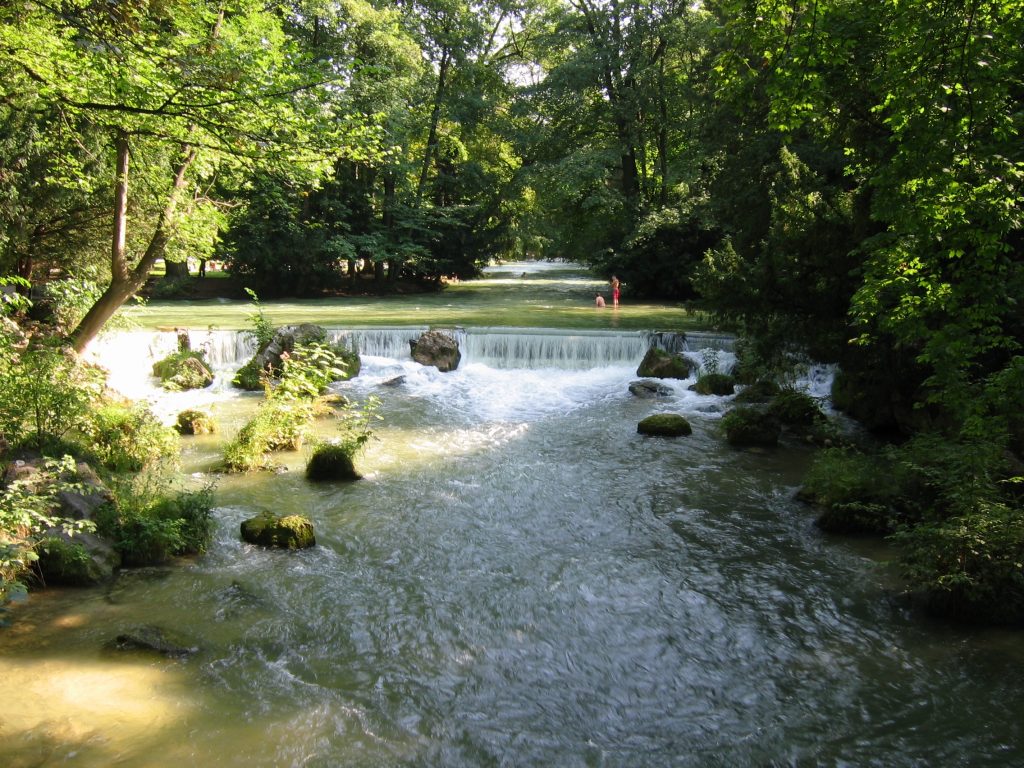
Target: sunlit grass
x,y
550,300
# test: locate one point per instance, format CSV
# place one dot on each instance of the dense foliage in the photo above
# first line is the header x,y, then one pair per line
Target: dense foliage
x,y
835,180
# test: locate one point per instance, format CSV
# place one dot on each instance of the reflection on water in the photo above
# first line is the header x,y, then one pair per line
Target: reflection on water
x,y
521,579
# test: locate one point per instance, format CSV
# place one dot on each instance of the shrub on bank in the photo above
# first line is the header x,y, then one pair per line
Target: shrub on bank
x,y
128,437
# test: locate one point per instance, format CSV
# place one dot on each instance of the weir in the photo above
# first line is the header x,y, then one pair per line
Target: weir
x,y
530,348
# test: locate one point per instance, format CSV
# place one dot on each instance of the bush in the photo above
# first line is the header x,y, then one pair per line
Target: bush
x,y
127,438
857,492
148,527
27,513
278,425
971,566
746,426
249,377
794,408
44,393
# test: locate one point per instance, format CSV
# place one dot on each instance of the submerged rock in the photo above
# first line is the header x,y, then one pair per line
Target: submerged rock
x,y
153,639
659,364
664,425
270,530
438,349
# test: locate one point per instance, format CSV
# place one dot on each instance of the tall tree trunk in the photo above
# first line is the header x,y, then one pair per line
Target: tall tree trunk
x,y
175,270
125,282
435,118
662,133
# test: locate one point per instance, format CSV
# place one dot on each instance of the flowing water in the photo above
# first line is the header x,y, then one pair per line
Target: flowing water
x,y
519,580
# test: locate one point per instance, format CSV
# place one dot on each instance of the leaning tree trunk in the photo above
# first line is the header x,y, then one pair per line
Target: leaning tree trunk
x,y
125,282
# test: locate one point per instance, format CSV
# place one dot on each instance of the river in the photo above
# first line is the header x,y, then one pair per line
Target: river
x,y
520,579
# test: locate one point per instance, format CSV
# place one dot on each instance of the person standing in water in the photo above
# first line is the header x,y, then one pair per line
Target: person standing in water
x,y
615,291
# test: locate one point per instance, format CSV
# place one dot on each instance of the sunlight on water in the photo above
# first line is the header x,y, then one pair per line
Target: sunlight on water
x,y
519,579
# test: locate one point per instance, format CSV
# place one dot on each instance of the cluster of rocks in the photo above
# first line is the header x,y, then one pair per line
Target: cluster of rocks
x,y
761,414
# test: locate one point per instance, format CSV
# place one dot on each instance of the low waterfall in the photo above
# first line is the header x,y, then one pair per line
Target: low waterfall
x,y
129,355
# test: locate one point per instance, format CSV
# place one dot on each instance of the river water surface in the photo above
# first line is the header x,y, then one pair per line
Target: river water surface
x,y
519,580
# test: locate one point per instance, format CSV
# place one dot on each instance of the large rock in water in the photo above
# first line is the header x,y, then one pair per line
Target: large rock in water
x,y
269,530
285,339
438,349
664,425
647,389
659,364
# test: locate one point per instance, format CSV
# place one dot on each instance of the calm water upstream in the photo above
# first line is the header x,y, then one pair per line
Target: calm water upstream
x,y
519,580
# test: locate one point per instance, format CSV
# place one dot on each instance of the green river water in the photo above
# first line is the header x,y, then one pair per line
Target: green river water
x,y
519,580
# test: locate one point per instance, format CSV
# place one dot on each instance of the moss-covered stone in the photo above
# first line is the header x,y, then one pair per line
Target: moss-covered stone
x,y
664,425
715,384
183,370
192,422
659,364
269,530
746,426
331,462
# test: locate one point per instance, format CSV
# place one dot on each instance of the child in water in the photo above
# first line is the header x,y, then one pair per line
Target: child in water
x,y
600,300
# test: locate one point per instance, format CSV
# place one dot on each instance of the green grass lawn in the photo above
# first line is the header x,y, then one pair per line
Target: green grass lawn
x,y
542,300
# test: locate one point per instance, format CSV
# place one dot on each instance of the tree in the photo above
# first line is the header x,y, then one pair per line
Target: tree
x,y
177,90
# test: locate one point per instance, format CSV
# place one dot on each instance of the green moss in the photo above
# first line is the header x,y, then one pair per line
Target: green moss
x,y
183,370
715,384
269,530
659,364
331,461
192,422
664,425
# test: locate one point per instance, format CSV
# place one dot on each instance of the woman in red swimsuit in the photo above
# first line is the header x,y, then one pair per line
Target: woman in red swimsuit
x,y
615,291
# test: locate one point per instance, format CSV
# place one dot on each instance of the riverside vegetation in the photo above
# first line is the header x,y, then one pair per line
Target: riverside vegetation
x,y
836,181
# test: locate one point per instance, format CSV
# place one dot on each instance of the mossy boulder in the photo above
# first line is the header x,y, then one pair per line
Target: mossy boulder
x,y
438,349
664,425
192,422
331,462
81,560
270,530
183,370
659,364
715,384
751,427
